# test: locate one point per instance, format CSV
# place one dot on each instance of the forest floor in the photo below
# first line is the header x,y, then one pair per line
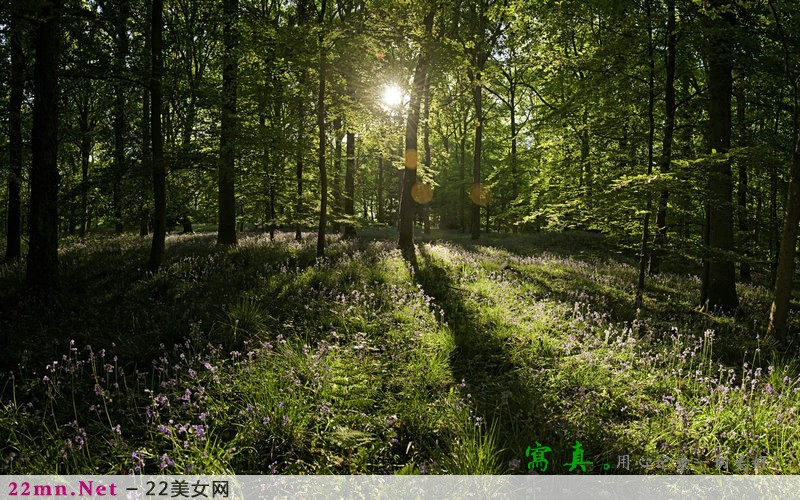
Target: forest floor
x,y
263,359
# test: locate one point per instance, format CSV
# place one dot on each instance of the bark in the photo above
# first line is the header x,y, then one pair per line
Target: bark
x,y
323,174
719,277
146,167
14,223
226,233
157,139
42,265
337,173
477,101
349,185
666,149
302,18
462,179
426,145
380,201
85,152
779,311
741,192
651,99
120,52
407,204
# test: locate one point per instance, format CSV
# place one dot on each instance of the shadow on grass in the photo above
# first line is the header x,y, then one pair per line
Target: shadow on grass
x,y
520,412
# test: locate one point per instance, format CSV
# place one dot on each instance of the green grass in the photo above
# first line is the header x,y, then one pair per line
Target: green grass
x,y
263,359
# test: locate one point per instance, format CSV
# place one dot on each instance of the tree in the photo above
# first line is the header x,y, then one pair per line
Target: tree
x,y
323,174
666,150
157,139
42,265
17,85
120,53
718,288
779,311
407,204
226,234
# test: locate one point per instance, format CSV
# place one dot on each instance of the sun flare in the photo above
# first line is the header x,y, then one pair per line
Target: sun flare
x,y
393,96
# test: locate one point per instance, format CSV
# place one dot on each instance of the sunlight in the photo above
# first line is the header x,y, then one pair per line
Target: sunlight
x,y
393,96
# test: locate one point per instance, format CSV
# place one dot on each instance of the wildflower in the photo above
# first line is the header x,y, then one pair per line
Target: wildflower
x,y
265,420
192,373
117,429
768,389
165,462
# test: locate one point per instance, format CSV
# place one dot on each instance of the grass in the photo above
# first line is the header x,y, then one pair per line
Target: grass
x,y
263,359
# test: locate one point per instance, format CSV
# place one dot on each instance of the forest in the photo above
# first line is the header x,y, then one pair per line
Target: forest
x,y
393,237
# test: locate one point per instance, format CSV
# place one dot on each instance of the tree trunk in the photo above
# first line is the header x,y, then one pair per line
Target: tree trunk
x,y
226,233
146,166
380,201
462,178
14,224
426,145
779,312
773,219
349,185
666,149
157,139
42,265
407,204
644,257
120,53
301,118
323,174
719,279
337,174
85,152
741,192
477,100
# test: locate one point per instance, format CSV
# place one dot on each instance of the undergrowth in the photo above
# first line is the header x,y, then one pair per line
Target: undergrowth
x,y
264,359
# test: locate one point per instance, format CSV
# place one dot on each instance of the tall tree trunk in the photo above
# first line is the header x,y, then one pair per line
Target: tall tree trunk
x,y
120,53
146,166
157,139
651,99
349,185
14,223
323,174
426,145
85,152
741,192
380,200
779,311
42,265
773,215
226,233
477,101
337,174
719,277
462,179
666,149
301,118
407,204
